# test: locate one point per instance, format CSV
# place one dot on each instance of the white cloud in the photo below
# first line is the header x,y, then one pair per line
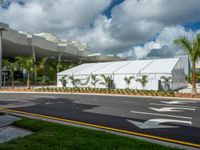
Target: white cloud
x,y
128,33
52,16
164,40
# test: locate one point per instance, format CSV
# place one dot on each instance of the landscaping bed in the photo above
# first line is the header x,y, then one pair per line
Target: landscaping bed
x,y
53,136
109,91
105,91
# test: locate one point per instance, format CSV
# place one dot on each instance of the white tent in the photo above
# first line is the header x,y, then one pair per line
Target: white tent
x,y
154,69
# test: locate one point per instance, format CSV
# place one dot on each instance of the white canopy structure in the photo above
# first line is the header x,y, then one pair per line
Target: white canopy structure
x,y
155,70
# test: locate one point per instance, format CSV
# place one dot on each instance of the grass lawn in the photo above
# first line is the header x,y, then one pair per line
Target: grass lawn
x,y
52,136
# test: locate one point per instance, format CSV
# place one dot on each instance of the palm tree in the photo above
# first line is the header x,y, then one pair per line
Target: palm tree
x,y
128,80
193,50
26,63
94,80
74,81
11,66
107,81
42,65
166,81
143,80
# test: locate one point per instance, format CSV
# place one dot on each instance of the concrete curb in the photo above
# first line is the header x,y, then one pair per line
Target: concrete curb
x,y
113,95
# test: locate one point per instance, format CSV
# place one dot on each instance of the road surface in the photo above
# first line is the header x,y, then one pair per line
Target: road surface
x,y
176,120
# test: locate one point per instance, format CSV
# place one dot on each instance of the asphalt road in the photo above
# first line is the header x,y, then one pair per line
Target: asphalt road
x,y
172,119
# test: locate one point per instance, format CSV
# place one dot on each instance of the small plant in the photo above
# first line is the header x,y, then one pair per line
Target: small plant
x,y
108,82
74,81
63,80
166,81
143,81
128,80
94,80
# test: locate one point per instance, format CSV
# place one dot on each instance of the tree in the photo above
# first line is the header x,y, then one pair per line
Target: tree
x,y
74,81
41,64
57,66
11,66
107,81
166,81
26,63
128,80
193,50
143,80
94,80
63,80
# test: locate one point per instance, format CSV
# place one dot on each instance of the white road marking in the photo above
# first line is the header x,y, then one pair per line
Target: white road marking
x,y
155,123
170,109
178,102
48,103
173,105
43,96
164,115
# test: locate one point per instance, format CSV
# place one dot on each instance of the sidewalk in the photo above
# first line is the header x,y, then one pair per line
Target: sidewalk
x,y
188,89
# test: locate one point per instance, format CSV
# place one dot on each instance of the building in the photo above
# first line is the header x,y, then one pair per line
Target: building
x,y
154,69
20,43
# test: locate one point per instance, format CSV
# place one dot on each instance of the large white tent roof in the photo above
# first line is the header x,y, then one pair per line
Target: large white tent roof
x,y
125,67
133,67
75,69
160,66
112,67
92,68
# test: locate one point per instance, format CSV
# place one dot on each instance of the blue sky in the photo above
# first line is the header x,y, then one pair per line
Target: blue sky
x,y
126,28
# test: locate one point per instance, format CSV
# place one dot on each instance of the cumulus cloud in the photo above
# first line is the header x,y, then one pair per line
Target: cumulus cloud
x,y
163,45
52,16
129,31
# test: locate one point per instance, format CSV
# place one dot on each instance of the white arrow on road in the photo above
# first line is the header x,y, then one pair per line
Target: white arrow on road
x,y
178,102
171,109
155,123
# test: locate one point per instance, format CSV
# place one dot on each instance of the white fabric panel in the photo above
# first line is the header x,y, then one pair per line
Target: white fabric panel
x,y
75,69
133,67
92,68
161,66
112,67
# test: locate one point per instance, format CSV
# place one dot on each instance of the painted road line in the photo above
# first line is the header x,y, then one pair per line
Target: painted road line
x,y
171,109
106,128
155,123
163,115
178,102
173,105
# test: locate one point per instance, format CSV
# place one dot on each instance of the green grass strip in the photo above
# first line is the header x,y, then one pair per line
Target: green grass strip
x,y
53,136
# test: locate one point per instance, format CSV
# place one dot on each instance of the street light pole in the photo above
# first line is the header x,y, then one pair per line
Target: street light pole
x,y
1,58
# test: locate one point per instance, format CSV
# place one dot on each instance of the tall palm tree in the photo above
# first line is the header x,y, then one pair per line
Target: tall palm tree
x,y
107,81
193,50
42,65
94,80
26,63
166,81
143,80
11,66
128,80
